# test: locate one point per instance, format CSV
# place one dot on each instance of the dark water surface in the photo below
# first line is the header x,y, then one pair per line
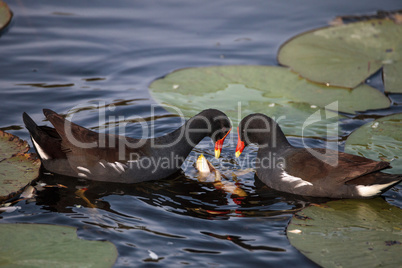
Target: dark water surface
x,y
85,58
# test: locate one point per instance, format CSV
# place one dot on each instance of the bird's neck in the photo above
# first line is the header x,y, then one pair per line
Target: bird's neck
x,y
182,140
273,141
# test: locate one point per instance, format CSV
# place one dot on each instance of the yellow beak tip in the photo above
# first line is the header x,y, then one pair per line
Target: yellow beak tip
x,y
217,153
238,154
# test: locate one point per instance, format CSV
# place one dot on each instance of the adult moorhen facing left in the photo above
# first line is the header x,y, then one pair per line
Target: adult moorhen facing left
x,y
310,172
72,150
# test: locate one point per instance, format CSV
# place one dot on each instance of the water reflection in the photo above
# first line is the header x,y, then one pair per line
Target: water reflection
x,y
179,194
177,215
242,242
44,85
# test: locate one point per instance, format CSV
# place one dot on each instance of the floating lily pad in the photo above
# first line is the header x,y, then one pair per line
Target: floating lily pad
x,y
11,145
349,233
276,91
348,54
395,15
380,139
41,245
5,15
17,168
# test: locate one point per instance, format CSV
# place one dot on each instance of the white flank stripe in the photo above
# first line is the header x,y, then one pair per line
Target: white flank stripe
x,y
41,152
113,165
371,190
84,169
292,179
120,166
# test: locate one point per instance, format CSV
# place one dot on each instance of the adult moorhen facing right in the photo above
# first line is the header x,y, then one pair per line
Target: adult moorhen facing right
x,y
310,172
72,150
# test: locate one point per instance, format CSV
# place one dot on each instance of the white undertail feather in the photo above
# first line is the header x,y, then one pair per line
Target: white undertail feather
x,y
372,190
40,151
292,179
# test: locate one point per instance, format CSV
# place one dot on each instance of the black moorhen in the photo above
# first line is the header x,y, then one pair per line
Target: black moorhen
x,y
310,172
72,150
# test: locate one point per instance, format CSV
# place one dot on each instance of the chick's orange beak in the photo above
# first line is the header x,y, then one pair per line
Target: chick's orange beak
x,y
219,144
240,144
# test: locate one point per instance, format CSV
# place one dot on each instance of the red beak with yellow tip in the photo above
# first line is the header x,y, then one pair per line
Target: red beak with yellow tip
x,y
219,145
240,144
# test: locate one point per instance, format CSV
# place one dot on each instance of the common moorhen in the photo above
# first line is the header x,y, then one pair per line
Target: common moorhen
x,y
310,172
72,150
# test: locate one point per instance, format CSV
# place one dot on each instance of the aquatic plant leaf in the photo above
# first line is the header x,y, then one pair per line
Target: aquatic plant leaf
x,y
5,15
349,233
392,77
275,91
380,139
346,55
42,245
11,145
395,15
17,168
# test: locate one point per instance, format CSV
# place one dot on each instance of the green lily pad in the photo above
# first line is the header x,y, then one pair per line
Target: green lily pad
x,y
276,91
11,145
346,55
5,15
41,245
17,168
349,233
380,139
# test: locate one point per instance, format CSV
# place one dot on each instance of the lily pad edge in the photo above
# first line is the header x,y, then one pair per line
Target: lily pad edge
x,y
372,72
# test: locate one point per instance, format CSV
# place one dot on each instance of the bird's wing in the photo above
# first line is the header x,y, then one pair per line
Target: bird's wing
x,y
318,164
84,146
